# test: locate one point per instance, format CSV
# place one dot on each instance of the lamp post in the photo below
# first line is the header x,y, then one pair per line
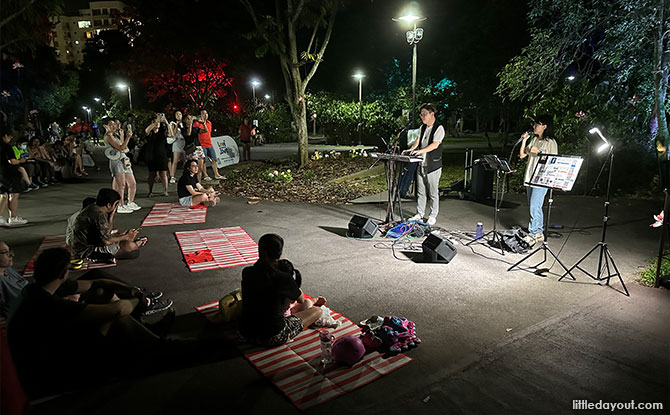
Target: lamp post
x,y
88,113
360,77
254,84
130,97
413,37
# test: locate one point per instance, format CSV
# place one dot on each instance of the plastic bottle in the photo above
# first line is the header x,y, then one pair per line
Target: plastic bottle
x,y
479,231
326,346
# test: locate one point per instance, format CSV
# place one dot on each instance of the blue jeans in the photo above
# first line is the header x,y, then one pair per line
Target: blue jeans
x,y
535,201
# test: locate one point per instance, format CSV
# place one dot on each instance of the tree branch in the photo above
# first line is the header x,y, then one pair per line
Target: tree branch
x,y
298,10
329,31
17,13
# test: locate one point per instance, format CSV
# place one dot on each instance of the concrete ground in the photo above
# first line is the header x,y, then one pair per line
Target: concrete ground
x,y
493,341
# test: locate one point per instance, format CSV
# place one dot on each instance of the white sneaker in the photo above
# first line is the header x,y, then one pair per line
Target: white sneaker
x,y
133,206
416,217
3,221
431,221
124,209
173,180
16,220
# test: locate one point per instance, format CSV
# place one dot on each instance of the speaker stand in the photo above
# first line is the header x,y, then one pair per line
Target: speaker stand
x,y
495,237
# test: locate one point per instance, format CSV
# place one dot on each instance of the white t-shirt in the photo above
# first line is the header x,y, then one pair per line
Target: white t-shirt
x,y
546,146
437,138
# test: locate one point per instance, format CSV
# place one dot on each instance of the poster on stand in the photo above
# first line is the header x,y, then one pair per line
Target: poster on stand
x,y
226,150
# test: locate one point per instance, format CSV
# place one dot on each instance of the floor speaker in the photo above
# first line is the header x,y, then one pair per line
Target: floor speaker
x,y
362,227
437,249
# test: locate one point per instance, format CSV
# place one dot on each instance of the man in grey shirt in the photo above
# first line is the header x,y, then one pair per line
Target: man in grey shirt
x,y
11,283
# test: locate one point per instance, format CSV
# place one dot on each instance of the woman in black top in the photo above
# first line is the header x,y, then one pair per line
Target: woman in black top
x,y
190,191
157,158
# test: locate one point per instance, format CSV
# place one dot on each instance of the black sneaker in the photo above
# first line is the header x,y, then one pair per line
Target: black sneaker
x,y
156,306
151,295
33,186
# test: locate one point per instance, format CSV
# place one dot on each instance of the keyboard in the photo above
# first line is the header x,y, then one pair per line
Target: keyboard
x,y
397,157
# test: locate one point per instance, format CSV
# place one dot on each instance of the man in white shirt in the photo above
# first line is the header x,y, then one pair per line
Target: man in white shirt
x,y
428,146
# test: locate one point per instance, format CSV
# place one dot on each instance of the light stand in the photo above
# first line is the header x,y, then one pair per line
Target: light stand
x,y
544,247
605,258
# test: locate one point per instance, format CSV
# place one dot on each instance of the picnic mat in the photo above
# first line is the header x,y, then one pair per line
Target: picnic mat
x,y
228,247
173,214
58,241
294,367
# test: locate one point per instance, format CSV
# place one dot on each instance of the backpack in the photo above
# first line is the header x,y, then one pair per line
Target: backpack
x,y
512,240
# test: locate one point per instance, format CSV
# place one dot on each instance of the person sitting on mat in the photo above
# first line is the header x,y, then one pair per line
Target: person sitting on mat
x,y
264,291
89,236
190,191
48,333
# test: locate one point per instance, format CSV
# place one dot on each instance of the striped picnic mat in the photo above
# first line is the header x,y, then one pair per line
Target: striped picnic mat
x,y
294,367
58,241
230,247
173,214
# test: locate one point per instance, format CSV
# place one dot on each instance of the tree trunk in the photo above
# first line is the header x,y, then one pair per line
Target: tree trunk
x,y
661,62
299,114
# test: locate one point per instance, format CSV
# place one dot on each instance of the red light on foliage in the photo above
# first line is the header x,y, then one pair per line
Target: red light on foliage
x,y
235,107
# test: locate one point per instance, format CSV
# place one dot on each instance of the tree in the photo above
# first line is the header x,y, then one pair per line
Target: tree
x,y
294,22
193,81
24,24
620,48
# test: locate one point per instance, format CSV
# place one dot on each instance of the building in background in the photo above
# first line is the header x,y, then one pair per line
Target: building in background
x,y
72,30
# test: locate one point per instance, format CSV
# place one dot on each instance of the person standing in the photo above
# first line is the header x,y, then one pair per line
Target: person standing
x,y
246,131
157,158
542,141
11,183
205,138
121,169
429,147
177,131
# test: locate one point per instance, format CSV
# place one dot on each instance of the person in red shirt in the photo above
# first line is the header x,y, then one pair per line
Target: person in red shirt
x,y
246,131
205,139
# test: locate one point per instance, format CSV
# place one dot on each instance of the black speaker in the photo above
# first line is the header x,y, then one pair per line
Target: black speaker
x,y
362,227
482,182
436,249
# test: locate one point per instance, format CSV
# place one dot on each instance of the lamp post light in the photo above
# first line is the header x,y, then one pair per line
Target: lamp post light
x,y
267,97
122,86
359,76
254,84
413,37
88,113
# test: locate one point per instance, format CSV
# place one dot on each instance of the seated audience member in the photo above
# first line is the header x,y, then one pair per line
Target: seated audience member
x,y
265,290
30,164
73,155
88,233
11,283
190,191
48,335
40,154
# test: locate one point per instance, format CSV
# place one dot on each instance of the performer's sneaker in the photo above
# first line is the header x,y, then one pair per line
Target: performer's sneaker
x,y
529,240
431,221
416,218
539,237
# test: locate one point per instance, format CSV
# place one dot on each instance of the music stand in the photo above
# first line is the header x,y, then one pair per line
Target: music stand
x,y
552,172
500,166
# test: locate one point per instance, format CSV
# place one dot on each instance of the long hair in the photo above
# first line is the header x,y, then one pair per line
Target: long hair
x,y
547,120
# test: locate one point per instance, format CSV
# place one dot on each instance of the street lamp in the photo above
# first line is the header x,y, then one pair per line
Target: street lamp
x,y
122,86
254,84
413,37
88,113
360,77
267,97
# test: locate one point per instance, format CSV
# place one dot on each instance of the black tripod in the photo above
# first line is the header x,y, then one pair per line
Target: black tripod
x,y
544,247
604,256
496,237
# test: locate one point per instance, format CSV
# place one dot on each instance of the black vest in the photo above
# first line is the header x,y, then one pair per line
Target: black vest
x,y
434,158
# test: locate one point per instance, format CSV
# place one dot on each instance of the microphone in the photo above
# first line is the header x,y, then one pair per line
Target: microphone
x,y
530,133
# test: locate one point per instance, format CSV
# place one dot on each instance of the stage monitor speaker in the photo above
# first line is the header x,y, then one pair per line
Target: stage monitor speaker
x,y
481,188
437,249
362,227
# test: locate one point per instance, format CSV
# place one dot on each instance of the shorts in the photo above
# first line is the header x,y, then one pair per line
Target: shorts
x,y
292,327
178,146
186,200
108,249
116,166
209,152
198,154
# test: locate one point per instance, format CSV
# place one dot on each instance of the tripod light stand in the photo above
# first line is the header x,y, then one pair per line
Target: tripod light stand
x,y
605,260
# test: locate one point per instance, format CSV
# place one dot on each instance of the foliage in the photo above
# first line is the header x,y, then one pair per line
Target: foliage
x,y
274,123
192,81
273,175
648,273
24,24
619,53
52,100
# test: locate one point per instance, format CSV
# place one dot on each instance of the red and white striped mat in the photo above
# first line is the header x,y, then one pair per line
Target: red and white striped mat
x,y
294,367
230,247
173,214
58,241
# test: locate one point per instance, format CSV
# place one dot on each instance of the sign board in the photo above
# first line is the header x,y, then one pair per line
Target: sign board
x,y
226,150
556,172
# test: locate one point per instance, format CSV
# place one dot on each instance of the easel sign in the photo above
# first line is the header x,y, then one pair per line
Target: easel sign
x,y
556,172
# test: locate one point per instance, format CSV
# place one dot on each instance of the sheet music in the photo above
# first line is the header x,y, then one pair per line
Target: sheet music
x,y
556,172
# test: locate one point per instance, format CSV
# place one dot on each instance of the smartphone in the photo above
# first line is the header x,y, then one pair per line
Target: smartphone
x,y
129,127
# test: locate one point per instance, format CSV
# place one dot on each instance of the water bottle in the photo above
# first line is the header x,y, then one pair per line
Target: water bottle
x,y
479,231
326,346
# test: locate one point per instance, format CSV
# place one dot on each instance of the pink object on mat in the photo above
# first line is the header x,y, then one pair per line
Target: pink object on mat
x,y
294,367
230,247
173,214
58,241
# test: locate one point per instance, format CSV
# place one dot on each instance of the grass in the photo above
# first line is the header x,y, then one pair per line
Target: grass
x,y
648,273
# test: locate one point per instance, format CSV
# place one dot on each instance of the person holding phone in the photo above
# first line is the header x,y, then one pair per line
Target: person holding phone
x,y
157,158
204,127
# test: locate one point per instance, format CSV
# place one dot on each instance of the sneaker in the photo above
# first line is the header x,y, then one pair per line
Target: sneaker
x,y
173,180
431,221
157,306
133,206
416,218
539,237
3,221
151,295
41,183
207,179
16,220
124,209
529,240
33,186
